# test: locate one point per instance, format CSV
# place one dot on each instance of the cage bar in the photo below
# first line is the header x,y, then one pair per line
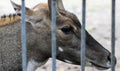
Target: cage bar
x,y
83,36
53,35
23,38
113,36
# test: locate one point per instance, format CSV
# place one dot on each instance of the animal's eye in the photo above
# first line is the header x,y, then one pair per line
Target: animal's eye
x,y
39,20
67,29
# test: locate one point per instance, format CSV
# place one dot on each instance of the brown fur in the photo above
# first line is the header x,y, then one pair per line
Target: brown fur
x,y
41,6
10,19
6,20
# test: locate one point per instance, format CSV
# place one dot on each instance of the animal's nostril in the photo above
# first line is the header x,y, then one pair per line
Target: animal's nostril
x,y
110,58
108,64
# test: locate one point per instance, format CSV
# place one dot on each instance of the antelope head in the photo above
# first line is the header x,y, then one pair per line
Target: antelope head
x,y
68,41
68,33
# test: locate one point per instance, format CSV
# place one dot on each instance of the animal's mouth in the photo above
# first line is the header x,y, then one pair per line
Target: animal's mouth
x,y
101,67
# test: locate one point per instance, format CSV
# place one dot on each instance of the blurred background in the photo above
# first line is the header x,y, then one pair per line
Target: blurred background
x,y
98,24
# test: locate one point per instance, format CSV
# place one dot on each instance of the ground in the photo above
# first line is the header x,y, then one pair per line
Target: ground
x,y
98,23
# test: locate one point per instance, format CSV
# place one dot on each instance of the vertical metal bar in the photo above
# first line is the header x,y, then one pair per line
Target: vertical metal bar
x,y
53,35
83,36
23,38
113,37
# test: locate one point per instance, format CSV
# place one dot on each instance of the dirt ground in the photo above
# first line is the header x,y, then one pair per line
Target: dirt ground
x,y
98,23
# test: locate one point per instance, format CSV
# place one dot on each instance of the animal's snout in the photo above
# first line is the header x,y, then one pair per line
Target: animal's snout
x,y
110,58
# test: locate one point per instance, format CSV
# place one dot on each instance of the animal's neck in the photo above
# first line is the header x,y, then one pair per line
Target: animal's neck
x,y
6,20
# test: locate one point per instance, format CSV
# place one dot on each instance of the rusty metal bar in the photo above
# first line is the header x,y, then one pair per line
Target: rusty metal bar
x,y
23,38
113,36
53,35
83,36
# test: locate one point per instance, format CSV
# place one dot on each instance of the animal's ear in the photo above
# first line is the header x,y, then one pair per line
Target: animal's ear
x,y
29,26
50,7
18,10
32,26
60,4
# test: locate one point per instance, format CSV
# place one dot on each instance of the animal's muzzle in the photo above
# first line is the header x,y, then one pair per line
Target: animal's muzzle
x,y
112,59
108,64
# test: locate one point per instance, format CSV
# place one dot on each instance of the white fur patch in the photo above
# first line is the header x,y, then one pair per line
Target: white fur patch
x,y
32,65
60,49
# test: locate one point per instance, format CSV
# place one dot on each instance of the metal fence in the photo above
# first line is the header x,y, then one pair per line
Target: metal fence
x,y
23,36
113,35
83,36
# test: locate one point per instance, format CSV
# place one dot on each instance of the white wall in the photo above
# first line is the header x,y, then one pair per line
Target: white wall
x,y
6,7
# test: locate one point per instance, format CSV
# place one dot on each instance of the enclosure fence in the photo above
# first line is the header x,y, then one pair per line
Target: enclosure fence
x,y
83,36
23,37
113,36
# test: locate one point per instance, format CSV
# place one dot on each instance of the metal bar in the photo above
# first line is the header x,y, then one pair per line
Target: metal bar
x,y
23,38
53,35
113,37
83,36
